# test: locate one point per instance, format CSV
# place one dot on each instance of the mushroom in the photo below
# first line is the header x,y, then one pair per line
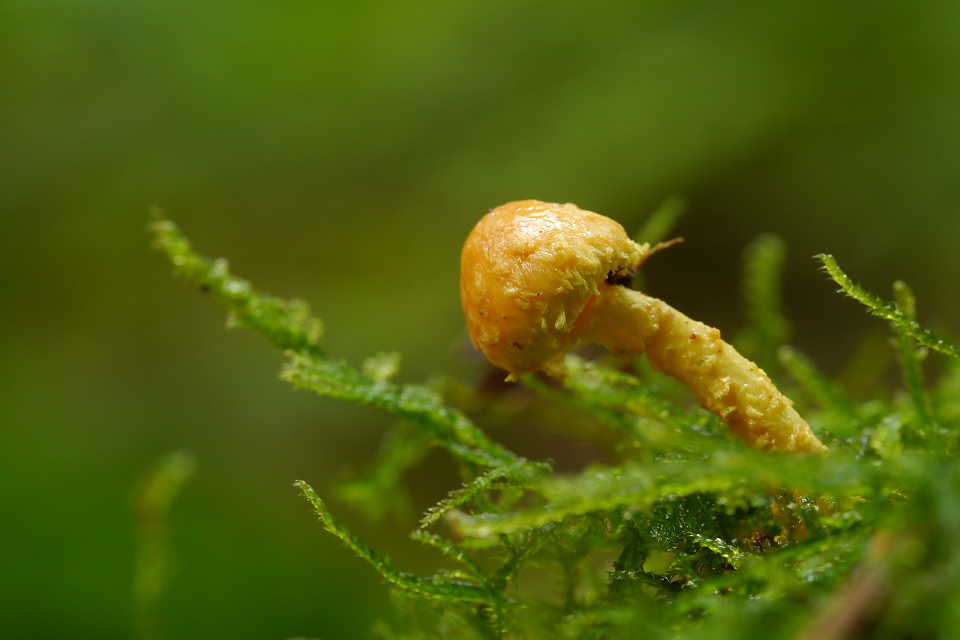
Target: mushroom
x,y
536,278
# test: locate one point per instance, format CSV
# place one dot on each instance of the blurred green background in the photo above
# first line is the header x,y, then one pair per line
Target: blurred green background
x,y
340,152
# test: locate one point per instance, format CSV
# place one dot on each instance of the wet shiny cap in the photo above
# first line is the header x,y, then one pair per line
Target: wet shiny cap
x,y
528,270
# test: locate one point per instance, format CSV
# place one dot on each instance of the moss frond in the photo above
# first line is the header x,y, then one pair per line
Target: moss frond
x,y
900,318
286,323
451,588
413,403
911,357
290,327
516,476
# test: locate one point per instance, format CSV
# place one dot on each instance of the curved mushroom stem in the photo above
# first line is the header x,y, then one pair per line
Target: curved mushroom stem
x,y
629,323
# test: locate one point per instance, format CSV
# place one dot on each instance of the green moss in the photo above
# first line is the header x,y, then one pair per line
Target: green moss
x,y
686,533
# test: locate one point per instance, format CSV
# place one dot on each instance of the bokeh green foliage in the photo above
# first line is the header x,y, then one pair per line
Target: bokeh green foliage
x,y
686,533
154,569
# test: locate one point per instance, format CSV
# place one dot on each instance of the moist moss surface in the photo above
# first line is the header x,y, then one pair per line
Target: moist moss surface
x,y
683,531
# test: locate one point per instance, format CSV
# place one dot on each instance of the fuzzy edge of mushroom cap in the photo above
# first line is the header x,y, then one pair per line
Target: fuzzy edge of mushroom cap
x,y
527,271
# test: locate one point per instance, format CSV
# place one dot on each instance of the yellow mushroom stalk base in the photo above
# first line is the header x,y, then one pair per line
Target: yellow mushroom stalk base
x,y
536,278
630,323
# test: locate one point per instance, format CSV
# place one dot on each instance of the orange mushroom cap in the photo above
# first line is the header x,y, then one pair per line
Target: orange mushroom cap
x,y
528,270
